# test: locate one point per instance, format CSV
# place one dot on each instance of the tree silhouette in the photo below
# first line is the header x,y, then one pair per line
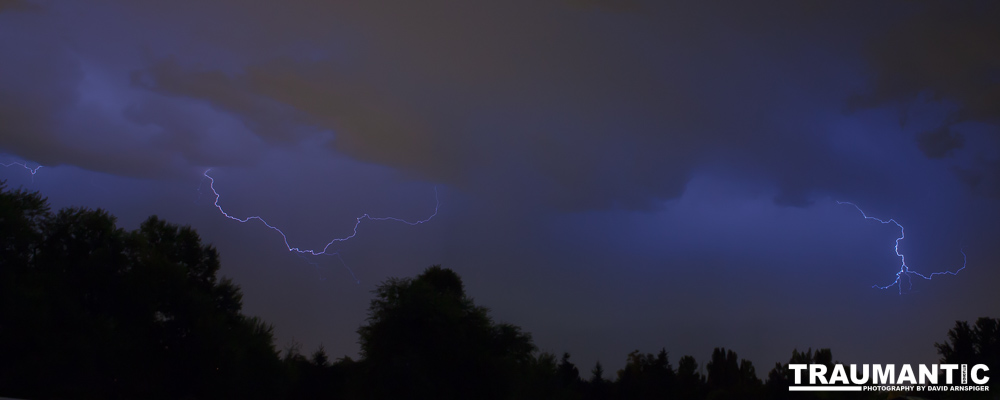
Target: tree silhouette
x,y
729,377
568,377
568,373
978,344
646,376
597,387
539,380
597,373
109,313
781,377
320,358
431,341
690,383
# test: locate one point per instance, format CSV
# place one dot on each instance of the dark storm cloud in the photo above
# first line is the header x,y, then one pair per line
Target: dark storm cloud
x,y
943,53
572,106
582,105
64,99
983,177
940,142
612,5
266,118
15,5
945,50
455,140
560,104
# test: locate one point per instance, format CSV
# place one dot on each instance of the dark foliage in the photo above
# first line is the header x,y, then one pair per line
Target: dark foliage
x,y
430,340
977,344
88,310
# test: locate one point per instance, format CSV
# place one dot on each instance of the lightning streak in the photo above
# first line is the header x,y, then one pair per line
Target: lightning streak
x,y
33,171
325,250
903,269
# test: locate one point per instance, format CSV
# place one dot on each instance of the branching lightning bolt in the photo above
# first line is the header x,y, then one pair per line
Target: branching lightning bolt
x,y
33,171
326,249
903,269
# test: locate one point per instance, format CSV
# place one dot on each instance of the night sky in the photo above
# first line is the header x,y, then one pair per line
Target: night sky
x,y
611,175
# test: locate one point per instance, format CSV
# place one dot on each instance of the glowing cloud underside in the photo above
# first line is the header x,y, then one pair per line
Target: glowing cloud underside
x,y
903,269
326,249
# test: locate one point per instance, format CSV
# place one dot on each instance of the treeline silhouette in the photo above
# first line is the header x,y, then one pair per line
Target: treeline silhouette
x,y
91,311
